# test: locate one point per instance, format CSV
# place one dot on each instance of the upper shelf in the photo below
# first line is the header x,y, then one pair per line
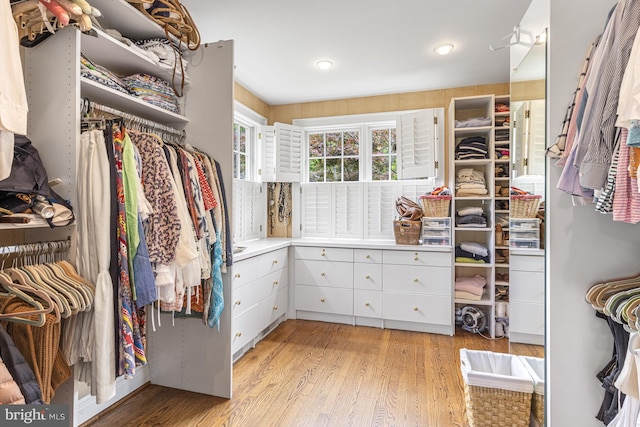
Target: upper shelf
x,y
128,20
122,59
107,96
473,130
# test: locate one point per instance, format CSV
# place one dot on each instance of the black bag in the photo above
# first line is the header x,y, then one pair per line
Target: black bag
x,y
28,174
29,177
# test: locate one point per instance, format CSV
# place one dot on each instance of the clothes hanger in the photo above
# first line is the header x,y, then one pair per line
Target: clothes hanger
x,y
599,293
17,290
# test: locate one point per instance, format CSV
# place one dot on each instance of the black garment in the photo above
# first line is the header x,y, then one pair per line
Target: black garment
x,y
227,228
462,253
19,369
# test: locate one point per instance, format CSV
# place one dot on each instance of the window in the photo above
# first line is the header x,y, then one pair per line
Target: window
x,y
356,166
334,156
249,202
384,164
242,138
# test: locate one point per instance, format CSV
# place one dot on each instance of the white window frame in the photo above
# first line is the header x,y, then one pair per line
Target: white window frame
x,y
249,197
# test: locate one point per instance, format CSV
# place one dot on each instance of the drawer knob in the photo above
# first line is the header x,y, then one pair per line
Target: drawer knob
x,y
238,334
275,308
238,302
416,258
275,283
366,304
367,277
322,274
323,253
321,299
237,275
415,280
275,261
368,256
415,308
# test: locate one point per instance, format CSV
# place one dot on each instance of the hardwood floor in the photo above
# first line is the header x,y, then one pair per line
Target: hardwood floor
x,y
323,374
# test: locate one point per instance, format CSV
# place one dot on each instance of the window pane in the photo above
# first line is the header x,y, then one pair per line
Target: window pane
x,y
394,168
334,144
243,167
316,170
235,165
334,170
316,145
243,139
380,141
380,168
351,143
235,136
351,169
393,140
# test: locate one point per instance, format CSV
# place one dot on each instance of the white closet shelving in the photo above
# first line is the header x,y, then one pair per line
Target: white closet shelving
x,y
186,355
463,109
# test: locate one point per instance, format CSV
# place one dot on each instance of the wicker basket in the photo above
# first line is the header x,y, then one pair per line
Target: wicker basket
x,y
525,206
407,232
497,389
535,366
435,206
494,407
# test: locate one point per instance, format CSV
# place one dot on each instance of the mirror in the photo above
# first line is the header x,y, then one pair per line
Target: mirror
x,y
528,142
528,160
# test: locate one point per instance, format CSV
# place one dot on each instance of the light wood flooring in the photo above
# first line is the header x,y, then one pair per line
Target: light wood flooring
x,y
324,374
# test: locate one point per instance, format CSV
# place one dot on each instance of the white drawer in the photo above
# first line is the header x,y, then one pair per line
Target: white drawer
x,y
417,280
526,286
417,308
243,272
322,254
367,276
272,261
438,259
249,295
324,299
372,256
526,263
526,318
273,306
244,328
367,303
324,273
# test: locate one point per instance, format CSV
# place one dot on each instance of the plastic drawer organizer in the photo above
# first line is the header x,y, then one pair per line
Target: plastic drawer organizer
x,y
524,233
436,231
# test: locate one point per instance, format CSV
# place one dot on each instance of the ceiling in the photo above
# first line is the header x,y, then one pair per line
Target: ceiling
x,y
378,46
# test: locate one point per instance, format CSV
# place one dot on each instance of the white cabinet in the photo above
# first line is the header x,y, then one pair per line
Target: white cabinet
x,y
400,289
259,298
526,297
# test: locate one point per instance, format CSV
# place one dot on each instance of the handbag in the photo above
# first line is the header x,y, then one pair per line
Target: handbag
x,y
408,209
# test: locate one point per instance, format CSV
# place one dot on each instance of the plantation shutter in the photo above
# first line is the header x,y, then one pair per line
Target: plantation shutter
x,y
347,210
380,202
252,208
537,141
316,207
288,152
268,172
417,135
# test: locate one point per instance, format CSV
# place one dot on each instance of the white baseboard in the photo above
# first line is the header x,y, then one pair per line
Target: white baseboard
x,y
87,406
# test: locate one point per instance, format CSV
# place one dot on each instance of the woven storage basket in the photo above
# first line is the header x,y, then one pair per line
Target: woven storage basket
x,y
494,407
525,206
535,366
435,206
497,389
407,232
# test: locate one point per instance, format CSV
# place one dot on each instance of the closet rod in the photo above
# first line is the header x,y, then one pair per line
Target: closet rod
x,y
137,120
34,248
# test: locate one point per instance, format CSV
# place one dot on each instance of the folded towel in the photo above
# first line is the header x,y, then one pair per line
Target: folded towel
x,y
468,295
475,248
470,210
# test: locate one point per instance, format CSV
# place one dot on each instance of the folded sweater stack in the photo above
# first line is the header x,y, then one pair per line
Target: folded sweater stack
x,y
470,182
473,147
471,288
471,216
472,252
153,90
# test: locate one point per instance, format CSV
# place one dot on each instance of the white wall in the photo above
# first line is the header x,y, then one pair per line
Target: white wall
x,y
584,247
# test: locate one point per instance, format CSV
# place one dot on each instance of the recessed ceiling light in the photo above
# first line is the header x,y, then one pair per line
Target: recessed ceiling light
x,y
443,48
324,64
